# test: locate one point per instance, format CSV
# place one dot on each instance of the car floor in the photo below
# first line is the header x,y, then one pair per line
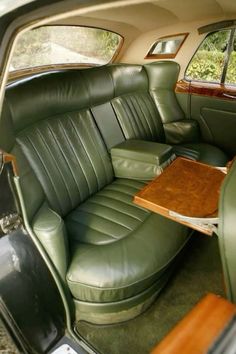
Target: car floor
x,y
6,345
198,273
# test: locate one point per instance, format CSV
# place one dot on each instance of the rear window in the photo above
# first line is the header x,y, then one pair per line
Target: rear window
x,y
52,45
167,47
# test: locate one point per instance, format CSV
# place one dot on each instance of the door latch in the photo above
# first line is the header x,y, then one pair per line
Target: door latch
x,y
10,223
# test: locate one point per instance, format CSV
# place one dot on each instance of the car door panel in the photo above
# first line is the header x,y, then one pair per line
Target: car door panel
x,y
217,119
214,107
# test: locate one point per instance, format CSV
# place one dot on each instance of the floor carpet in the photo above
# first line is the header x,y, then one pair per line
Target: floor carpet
x,y
199,272
6,345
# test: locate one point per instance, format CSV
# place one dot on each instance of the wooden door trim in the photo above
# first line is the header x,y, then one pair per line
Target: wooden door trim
x,y
222,91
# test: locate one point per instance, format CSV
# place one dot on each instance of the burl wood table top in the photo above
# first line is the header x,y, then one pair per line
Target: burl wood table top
x,y
186,187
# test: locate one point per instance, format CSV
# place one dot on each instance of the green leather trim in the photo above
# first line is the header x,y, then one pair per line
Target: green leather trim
x,y
139,159
119,311
50,230
226,231
107,124
182,131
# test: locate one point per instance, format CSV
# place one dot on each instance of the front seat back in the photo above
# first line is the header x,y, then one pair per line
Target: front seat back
x,y
227,232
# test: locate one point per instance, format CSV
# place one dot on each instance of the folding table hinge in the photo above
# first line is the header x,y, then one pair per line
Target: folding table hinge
x,y
10,223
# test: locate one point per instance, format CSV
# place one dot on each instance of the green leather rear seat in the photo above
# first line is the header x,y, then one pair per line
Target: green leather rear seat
x,y
114,256
146,107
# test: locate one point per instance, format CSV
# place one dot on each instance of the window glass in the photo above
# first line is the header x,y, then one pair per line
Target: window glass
x,y
231,70
167,46
208,62
63,45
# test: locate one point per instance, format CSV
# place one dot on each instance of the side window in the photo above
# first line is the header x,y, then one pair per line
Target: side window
x,y
230,78
52,45
208,62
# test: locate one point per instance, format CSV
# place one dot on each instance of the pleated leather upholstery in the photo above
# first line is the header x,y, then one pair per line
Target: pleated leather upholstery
x,y
119,250
138,117
68,157
107,216
133,105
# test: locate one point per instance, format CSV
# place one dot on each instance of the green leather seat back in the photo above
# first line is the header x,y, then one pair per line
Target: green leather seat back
x,y
64,149
227,232
133,105
162,76
68,157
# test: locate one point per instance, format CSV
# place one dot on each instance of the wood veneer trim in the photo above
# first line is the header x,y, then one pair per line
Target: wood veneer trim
x,y
186,187
8,158
182,86
164,212
206,89
197,331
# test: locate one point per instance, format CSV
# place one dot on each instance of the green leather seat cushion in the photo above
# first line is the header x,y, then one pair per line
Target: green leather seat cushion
x,y
119,249
209,154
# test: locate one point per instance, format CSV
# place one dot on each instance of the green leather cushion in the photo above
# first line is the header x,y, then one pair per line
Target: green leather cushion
x,y
140,159
182,131
119,249
209,154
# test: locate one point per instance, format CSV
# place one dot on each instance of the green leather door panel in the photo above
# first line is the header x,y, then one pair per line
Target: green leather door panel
x,y
217,119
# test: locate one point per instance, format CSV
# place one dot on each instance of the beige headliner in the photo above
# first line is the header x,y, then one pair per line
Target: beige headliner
x,y
142,23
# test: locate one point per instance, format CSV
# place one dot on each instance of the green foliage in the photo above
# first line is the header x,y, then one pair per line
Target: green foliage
x,y
231,72
107,43
208,62
206,66
31,49
216,41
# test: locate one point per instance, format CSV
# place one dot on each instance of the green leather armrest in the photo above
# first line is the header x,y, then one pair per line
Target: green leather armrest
x,y
139,159
50,229
182,131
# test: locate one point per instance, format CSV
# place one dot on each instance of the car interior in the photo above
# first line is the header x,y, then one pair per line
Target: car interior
x,y
87,137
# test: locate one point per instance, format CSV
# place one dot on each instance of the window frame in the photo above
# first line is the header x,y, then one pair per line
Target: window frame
x,y
24,72
228,52
149,55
